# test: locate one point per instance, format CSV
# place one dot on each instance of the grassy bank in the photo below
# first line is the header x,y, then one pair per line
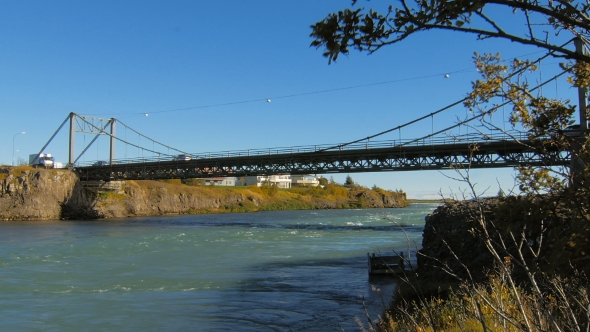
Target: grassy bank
x,y
270,198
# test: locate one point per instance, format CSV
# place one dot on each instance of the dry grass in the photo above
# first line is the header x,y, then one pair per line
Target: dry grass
x,y
264,198
495,306
19,170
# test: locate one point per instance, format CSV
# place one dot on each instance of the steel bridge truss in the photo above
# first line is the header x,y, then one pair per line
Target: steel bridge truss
x,y
402,158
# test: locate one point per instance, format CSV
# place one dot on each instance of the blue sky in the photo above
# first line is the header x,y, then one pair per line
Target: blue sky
x,y
203,71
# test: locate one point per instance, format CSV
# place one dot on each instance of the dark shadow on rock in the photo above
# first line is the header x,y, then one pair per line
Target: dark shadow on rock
x,y
80,205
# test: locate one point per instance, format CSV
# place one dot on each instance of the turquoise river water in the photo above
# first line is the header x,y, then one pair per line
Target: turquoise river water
x,y
269,271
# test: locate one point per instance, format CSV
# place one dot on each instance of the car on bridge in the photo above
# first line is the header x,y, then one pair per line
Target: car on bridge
x,y
182,157
101,163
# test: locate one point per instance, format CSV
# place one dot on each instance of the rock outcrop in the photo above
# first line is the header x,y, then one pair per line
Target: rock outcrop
x,y
541,231
34,194
159,199
450,242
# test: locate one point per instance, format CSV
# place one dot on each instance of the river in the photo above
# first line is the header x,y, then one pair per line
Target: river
x,y
268,271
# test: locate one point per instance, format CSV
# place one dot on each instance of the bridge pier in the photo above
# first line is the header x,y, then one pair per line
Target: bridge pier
x,y
99,186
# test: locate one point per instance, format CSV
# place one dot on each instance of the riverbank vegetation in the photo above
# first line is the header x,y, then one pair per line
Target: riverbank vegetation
x,y
509,264
270,197
519,263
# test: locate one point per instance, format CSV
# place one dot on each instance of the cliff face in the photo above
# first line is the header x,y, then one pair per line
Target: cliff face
x,y
39,194
56,194
34,194
159,199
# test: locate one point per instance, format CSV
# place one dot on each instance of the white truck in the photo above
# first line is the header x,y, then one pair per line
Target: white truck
x,y
44,160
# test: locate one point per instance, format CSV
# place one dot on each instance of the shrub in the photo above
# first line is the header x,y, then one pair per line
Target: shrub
x,y
269,189
194,182
336,190
171,181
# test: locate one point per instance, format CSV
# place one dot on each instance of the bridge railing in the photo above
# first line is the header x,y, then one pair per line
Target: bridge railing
x,y
475,137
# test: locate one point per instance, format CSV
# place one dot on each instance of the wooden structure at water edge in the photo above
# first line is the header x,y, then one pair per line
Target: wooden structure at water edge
x,y
386,265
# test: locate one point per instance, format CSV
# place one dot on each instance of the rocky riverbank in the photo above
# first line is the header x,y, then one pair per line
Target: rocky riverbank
x,y
39,194
450,243
453,234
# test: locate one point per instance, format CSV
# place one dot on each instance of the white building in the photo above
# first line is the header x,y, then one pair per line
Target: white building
x,y
306,180
220,181
281,181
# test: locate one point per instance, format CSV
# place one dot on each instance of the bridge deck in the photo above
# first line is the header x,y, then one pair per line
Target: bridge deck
x,y
485,154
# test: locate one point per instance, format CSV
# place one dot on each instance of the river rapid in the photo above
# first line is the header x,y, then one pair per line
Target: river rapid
x,y
267,271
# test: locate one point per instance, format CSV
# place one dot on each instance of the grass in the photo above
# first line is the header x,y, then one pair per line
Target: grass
x,y
267,198
111,196
427,200
494,306
16,171
20,170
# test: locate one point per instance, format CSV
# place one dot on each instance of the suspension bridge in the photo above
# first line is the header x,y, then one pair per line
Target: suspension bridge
x,y
468,152
446,148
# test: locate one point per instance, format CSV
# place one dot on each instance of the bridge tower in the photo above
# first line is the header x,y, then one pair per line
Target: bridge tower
x,y
72,144
90,125
112,140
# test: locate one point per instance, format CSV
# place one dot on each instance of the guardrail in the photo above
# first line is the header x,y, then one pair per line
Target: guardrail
x,y
425,141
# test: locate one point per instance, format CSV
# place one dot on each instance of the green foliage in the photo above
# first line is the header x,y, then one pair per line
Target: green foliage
x,y
255,188
544,118
369,30
269,189
349,181
201,211
540,115
311,191
336,190
363,203
194,182
289,204
171,181
323,181
111,196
